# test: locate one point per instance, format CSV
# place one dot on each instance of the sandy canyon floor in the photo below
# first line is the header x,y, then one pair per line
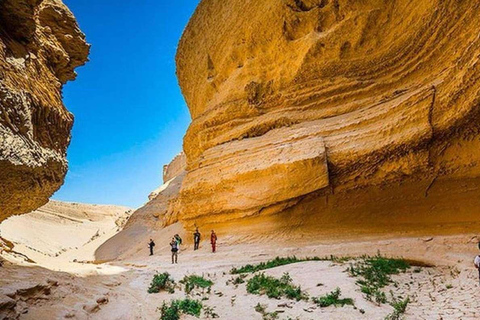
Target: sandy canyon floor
x,y
448,289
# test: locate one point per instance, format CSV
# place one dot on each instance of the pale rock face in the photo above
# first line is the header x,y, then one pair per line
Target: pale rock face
x,y
331,107
160,211
40,46
175,167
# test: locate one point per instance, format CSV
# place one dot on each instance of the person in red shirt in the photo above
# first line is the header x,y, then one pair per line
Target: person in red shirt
x,y
213,241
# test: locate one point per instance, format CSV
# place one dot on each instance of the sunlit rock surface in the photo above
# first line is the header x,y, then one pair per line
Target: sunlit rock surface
x,y
322,119
40,46
336,111
160,211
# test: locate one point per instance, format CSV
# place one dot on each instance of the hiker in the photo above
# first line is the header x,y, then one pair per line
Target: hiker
x,y
196,239
476,262
179,241
151,244
213,241
174,245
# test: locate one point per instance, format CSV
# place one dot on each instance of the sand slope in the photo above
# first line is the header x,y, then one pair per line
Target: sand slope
x,y
61,235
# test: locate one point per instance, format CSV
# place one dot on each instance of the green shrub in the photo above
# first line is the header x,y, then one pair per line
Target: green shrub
x,y
375,274
162,281
191,307
193,281
333,298
281,262
373,293
275,288
399,308
173,310
169,312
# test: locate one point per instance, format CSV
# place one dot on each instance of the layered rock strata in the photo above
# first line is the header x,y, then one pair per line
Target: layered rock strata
x,y
175,167
300,106
40,46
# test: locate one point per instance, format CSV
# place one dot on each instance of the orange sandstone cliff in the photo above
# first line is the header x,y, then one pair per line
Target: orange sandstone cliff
x,y
332,109
315,113
40,46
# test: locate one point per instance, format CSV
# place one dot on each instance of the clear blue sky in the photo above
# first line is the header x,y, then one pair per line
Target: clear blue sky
x,y
130,116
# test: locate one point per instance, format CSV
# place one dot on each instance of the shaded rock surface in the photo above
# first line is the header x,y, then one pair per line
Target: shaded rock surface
x,y
331,112
40,46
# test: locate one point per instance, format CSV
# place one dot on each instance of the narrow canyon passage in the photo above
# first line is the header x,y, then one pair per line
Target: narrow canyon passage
x,y
327,151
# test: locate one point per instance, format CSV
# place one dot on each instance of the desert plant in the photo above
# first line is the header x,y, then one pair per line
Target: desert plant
x,y
175,308
162,281
262,309
275,288
333,298
399,308
239,279
169,311
375,273
210,312
278,261
193,281
191,307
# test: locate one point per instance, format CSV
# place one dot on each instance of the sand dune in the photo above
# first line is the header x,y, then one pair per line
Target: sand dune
x,y
62,236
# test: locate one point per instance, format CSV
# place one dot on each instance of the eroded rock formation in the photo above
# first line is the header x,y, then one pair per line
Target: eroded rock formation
x,y
333,109
175,167
40,46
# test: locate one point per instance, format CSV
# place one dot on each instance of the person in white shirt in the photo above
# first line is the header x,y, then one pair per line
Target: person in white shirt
x,y
476,261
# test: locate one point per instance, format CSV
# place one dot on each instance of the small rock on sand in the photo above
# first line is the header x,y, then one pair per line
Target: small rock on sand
x,y
91,307
102,300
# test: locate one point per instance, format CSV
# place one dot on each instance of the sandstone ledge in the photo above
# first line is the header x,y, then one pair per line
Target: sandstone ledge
x,y
391,88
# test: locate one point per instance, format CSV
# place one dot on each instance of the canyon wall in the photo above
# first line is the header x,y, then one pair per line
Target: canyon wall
x,y
328,118
146,222
175,167
332,111
40,46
